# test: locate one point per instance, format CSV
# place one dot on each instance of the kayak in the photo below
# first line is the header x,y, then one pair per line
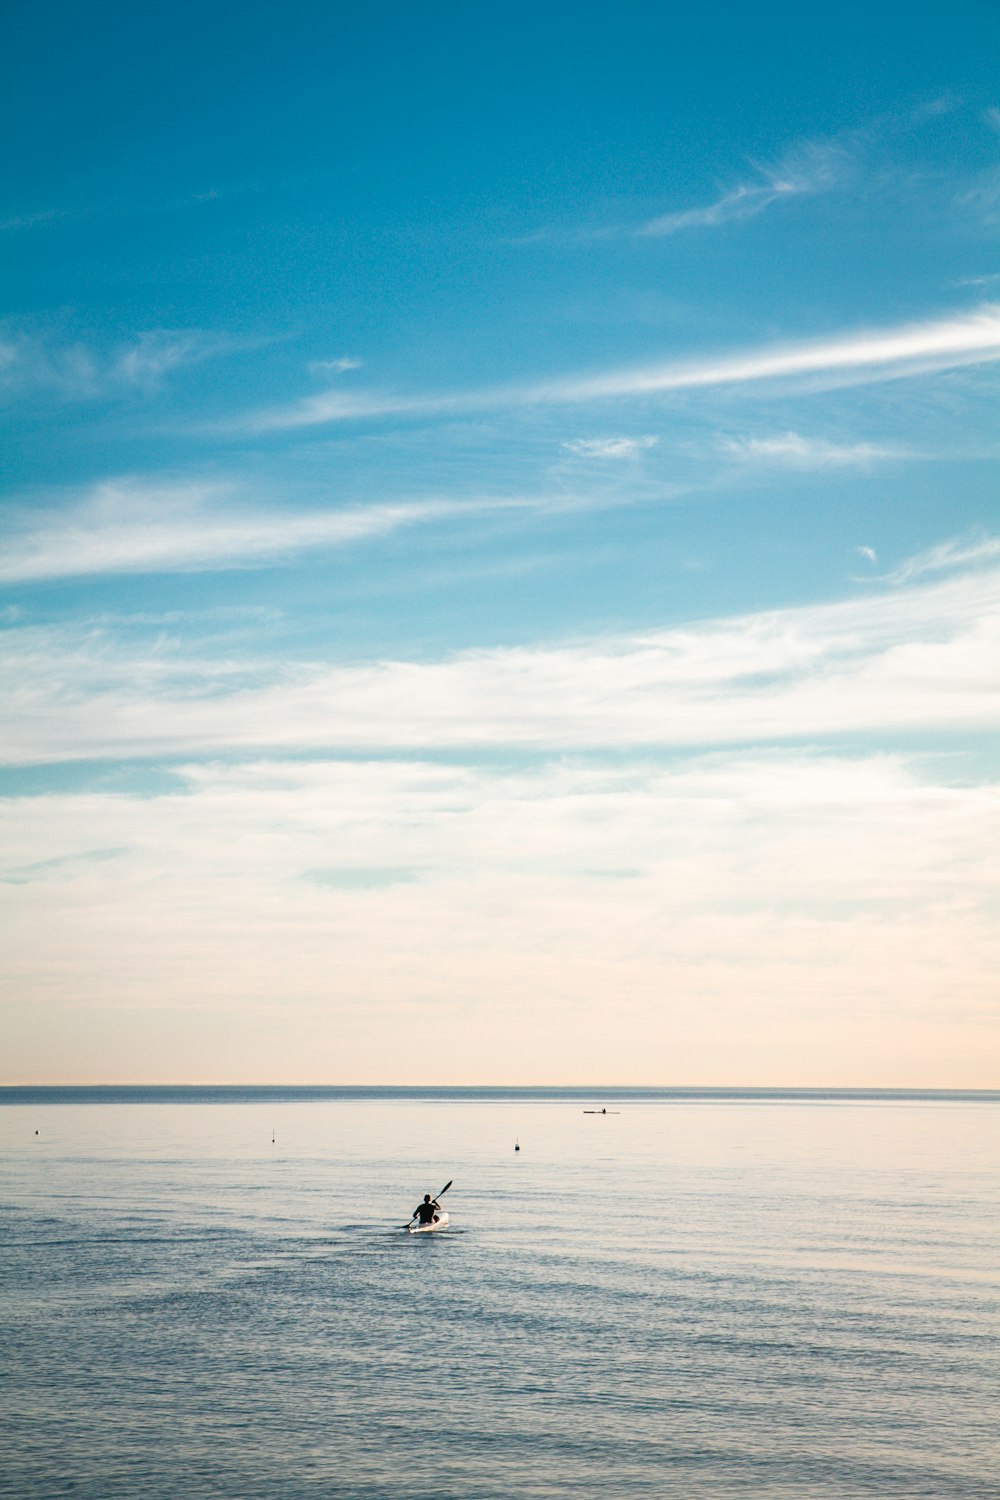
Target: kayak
x,y
441,1222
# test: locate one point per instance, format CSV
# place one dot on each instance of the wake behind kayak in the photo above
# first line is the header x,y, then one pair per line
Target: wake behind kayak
x,y
441,1222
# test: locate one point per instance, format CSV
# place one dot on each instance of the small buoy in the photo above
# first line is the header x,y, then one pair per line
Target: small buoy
x,y
36,1132
517,1146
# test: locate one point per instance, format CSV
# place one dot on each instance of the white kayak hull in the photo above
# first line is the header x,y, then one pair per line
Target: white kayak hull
x,y
441,1222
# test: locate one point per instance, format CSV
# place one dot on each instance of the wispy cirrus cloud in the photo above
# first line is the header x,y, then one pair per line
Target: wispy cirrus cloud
x,y
339,366
793,450
958,552
131,527
742,202
935,344
916,659
33,363
981,198
610,447
805,169
808,168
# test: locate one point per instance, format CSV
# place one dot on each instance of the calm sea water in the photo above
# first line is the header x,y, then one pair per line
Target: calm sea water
x,y
698,1297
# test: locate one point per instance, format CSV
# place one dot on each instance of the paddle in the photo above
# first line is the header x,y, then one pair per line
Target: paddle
x,y
439,1196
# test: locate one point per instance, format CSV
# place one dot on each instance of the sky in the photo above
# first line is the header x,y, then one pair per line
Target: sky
x,y
500,562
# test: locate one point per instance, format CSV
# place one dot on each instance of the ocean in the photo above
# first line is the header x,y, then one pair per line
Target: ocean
x,y
209,1293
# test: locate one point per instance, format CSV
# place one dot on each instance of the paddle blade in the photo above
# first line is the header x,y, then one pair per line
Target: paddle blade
x,y
445,1188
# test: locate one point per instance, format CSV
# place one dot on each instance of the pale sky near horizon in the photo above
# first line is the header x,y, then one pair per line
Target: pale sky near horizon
x,y
500,566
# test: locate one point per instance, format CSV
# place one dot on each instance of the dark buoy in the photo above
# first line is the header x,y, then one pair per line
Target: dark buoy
x,y
517,1146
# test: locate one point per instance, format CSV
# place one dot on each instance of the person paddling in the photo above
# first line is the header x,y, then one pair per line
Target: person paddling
x,y
429,1215
427,1212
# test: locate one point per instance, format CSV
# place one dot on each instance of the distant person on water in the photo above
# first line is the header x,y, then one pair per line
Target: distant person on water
x,y
427,1211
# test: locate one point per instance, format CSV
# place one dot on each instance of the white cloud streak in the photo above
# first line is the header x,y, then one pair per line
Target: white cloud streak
x,y
334,366
793,450
125,527
810,168
33,363
887,353
804,170
743,202
959,552
982,199
917,660
610,447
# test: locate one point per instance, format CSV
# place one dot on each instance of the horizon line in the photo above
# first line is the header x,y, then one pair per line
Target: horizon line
x,y
429,1090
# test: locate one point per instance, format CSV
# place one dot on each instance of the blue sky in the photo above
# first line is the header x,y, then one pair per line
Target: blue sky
x,y
501,550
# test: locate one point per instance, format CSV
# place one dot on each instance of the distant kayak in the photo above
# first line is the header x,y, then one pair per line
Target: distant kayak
x,y
441,1222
